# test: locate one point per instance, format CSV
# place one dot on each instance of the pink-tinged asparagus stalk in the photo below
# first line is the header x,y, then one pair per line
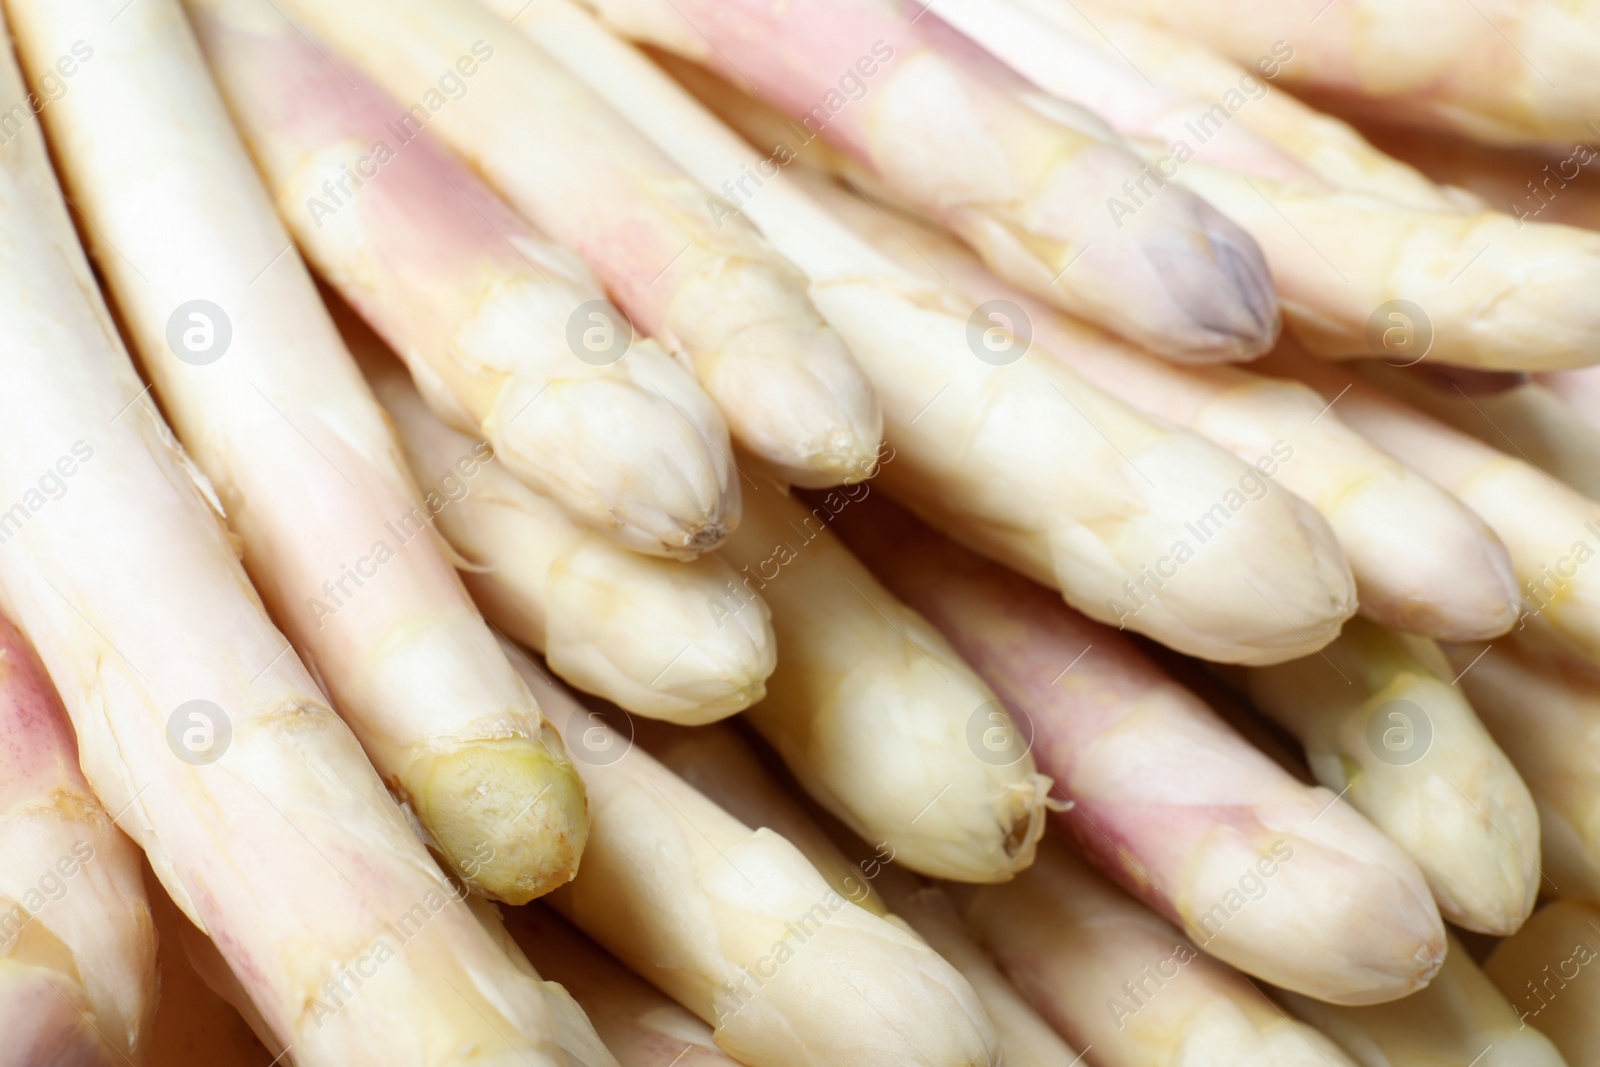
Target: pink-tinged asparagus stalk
x,y
196,721
1460,1020
714,294
1118,980
276,413
1542,705
654,636
1581,389
493,317
77,946
1505,74
872,710
738,927
951,131
639,1024
1421,560
1010,450
1551,531
1356,242
1384,727
1165,797
1549,972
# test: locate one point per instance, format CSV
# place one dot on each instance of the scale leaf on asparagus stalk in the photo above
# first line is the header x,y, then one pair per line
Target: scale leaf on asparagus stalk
x,y
1547,970
711,291
276,413
1165,797
196,721
1009,450
654,636
77,943
1384,727
1422,561
737,926
495,320
951,131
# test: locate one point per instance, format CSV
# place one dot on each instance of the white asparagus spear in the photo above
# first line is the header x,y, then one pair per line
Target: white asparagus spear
x,y
1012,452
1551,531
1549,972
1460,1020
951,131
739,928
1384,727
1118,980
493,317
196,721
654,636
714,294
1422,561
1542,705
872,710
277,415
1357,243
1581,389
77,945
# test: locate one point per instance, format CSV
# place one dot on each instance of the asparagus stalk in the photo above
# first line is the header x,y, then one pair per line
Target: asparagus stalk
x,y
1551,531
1422,562
1507,74
77,946
1581,389
479,301
277,415
951,132
1279,880
1115,978
643,1027
196,722
1367,259
1383,726
1022,460
709,290
1547,973
1542,705
873,711
736,926
1460,1020
652,635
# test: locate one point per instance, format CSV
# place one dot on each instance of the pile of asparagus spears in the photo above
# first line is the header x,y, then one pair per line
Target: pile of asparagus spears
x,y
833,533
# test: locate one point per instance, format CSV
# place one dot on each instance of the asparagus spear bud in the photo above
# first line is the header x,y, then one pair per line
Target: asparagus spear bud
x,y
277,415
639,1024
1542,705
1421,560
1282,881
1383,725
1550,530
77,947
1115,978
736,926
950,131
1547,972
495,318
652,635
1460,1020
196,721
708,289
1015,453
873,711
